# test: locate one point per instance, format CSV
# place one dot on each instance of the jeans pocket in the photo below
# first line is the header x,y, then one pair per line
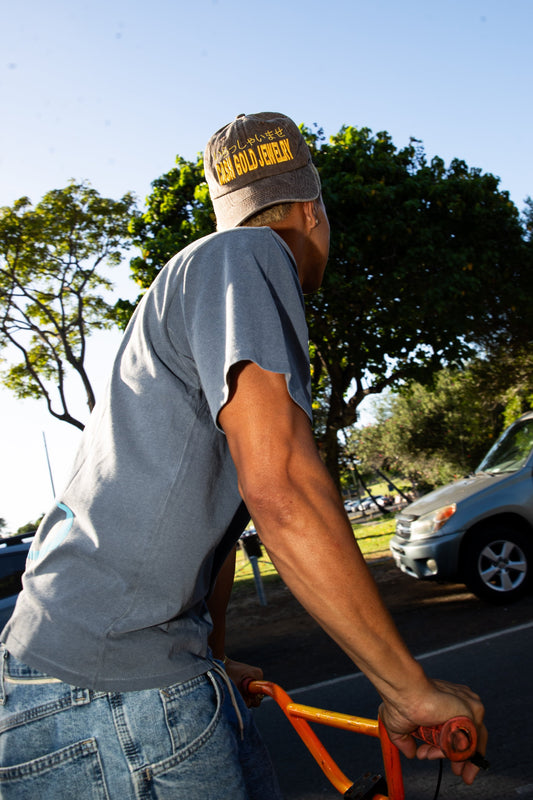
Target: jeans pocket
x,y
72,772
205,761
192,711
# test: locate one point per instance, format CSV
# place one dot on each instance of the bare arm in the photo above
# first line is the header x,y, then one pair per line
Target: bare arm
x,y
301,520
217,605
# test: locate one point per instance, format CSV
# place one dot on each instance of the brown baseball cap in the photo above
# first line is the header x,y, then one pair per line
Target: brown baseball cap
x,y
257,161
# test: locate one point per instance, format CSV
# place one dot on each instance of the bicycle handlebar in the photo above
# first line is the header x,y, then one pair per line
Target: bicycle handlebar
x,y
457,738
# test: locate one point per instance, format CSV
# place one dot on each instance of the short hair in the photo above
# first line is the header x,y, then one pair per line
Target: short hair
x,y
269,216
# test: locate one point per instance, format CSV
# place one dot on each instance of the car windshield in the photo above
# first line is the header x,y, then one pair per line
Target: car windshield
x,y
512,449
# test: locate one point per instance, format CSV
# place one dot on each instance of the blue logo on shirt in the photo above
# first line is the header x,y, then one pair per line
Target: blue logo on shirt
x,y
57,535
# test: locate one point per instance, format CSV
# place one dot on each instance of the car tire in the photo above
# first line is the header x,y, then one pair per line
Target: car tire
x,y
497,564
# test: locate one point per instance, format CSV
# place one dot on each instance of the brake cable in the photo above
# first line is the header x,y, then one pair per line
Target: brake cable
x,y
439,780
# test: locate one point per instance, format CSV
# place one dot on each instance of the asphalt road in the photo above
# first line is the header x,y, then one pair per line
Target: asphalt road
x,y
456,636
498,665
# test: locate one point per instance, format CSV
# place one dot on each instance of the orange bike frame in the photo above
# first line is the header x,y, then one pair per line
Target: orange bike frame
x,y
300,716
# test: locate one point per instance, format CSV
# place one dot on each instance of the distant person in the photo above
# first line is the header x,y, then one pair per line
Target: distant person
x,y
110,687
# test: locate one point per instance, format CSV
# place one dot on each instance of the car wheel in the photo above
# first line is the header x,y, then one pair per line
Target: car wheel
x,y
497,564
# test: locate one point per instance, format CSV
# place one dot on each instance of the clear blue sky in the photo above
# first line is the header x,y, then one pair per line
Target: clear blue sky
x,y
112,91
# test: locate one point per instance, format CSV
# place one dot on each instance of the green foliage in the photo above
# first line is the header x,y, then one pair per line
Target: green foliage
x,y
436,434
178,212
426,261
430,435
30,527
51,260
507,376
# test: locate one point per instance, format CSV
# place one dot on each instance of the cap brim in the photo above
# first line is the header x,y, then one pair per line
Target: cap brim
x,y
299,185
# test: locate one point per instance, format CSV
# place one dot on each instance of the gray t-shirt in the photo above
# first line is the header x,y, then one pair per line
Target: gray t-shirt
x,y
115,586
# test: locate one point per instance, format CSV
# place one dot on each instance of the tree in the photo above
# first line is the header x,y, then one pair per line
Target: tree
x,y
178,211
432,434
426,263
51,260
30,527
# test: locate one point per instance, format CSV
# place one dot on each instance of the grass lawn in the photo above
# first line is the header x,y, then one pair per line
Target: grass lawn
x,y
373,539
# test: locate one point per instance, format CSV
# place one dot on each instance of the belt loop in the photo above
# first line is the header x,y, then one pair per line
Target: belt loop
x,y
3,663
80,697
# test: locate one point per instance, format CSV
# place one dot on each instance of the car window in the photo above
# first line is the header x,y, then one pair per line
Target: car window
x,y
512,449
10,584
13,554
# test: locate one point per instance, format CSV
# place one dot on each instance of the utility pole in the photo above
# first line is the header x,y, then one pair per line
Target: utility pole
x,y
49,466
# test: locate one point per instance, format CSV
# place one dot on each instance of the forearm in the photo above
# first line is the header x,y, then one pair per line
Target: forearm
x,y
217,605
301,520
311,542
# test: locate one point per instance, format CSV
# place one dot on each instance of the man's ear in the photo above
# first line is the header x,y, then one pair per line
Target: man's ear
x,y
310,212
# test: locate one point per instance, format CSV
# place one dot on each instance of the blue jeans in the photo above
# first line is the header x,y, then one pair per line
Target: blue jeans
x,y
183,742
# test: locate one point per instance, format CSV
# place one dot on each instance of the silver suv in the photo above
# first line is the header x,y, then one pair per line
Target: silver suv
x,y
478,530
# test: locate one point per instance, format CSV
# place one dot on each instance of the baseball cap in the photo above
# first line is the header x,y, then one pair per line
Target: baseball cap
x,y
257,161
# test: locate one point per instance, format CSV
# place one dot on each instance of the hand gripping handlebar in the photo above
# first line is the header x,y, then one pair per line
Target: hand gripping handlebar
x,y
457,738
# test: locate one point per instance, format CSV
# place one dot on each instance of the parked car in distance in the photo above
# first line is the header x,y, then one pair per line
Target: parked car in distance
x,y
479,530
13,553
367,504
372,503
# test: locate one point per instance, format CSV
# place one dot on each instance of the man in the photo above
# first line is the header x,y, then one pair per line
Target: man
x,y
110,688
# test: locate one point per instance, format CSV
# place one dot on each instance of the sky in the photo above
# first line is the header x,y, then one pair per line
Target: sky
x,y
111,92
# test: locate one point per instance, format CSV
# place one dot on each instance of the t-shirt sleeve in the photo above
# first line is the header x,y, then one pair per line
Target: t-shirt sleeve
x,y
242,301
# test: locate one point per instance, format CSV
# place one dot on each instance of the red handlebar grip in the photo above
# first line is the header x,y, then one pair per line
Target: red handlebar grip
x,y
457,738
